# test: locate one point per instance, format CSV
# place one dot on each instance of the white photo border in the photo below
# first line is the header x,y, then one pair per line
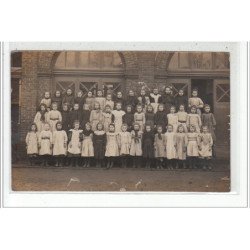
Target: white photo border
x,y
237,197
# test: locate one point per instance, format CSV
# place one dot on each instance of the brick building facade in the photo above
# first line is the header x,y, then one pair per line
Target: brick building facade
x,y
40,71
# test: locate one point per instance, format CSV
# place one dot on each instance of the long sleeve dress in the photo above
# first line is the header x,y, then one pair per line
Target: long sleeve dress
x,y
45,141
108,118
170,145
65,120
87,144
69,99
99,142
197,102
168,101
74,147
75,115
53,117
112,149
147,144
208,120
205,143
140,119
150,119
182,119
173,120
193,142
95,117
32,143
181,145
128,119
195,120
118,114
40,120
124,139
159,145
60,140
161,119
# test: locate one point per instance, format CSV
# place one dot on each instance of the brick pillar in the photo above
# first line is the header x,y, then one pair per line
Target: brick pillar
x,y
28,91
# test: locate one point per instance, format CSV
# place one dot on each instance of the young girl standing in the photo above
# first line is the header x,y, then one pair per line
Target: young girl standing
x,y
59,142
99,98
124,139
118,114
32,143
147,145
207,119
128,117
41,118
108,117
170,146
139,117
87,144
181,146
193,119
74,147
46,99
173,119
53,117
192,146
161,117
99,142
159,145
182,117
112,149
195,101
136,144
45,143
96,116
109,101
205,148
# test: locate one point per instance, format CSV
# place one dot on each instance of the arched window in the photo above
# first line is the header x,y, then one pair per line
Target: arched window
x,y
88,60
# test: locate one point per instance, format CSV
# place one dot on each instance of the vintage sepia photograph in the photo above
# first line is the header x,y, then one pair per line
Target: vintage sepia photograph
x,y
94,121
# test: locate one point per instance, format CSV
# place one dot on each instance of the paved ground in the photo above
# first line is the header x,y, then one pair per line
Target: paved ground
x,y
38,178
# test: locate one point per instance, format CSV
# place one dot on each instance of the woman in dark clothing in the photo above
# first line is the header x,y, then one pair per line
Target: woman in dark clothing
x,y
128,118
57,98
131,100
69,99
65,117
167,99
75,115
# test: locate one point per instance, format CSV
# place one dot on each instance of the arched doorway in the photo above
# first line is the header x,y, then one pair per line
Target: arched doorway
x,y
88,71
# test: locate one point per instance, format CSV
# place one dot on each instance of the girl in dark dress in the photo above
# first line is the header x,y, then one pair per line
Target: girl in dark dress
x,y
99,142
75,114
69,99
161,118
181,99
85,114
128,118
167,99
65,117
57,98
119,99
150,116
131,100
147,146
79,99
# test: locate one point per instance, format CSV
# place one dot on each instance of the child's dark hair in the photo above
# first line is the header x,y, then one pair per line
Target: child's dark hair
x,y
192,126
99,123
33,124
58,124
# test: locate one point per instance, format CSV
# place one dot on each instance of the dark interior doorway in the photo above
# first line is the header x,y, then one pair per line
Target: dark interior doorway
x,y
205,90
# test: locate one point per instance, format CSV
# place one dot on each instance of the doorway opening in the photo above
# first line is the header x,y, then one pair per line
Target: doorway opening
x,y
205,90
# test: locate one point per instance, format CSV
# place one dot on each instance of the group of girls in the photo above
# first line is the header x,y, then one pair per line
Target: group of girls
x,y
151,130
